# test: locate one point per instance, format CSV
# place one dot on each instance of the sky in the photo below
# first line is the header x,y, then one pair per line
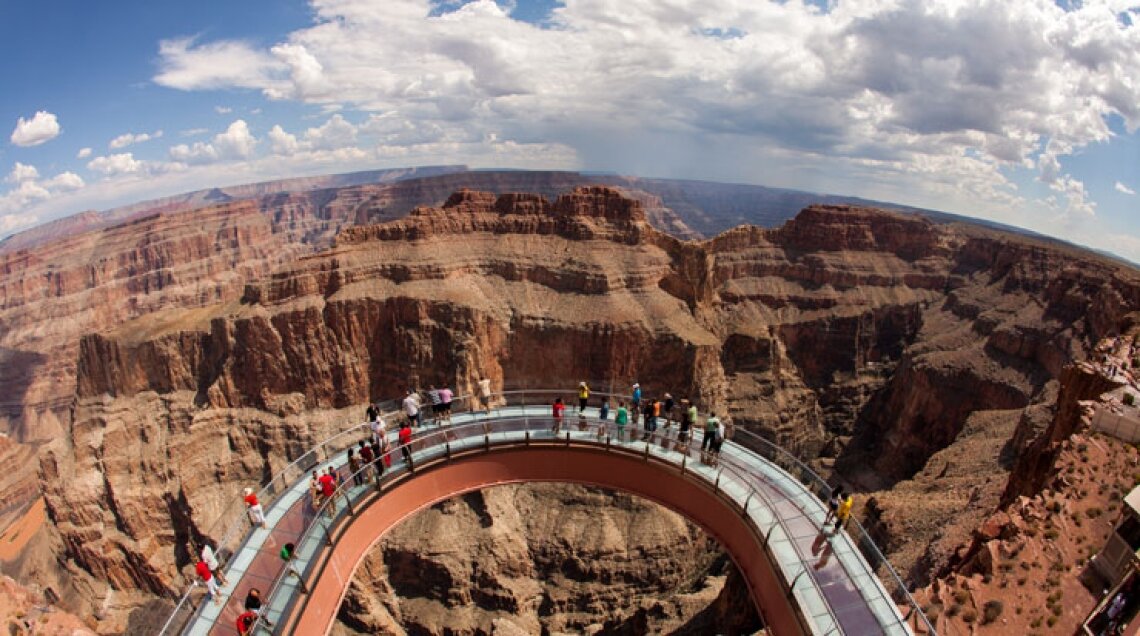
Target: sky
x,y
1024,112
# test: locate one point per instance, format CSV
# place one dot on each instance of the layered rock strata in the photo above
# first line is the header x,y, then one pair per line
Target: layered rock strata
x,y
855,336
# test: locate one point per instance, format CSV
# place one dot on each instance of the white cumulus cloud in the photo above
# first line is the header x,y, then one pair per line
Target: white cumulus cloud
x,y
1120,187
281,142
186,65
41,128
335,133
21,173
28,191
65,181
128,139
83,153
237,142
118,164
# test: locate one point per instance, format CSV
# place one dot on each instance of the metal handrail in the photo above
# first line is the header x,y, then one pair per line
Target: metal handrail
x,y
806,476
238,517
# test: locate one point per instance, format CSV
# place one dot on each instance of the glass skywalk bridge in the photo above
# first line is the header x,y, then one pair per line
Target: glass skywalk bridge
x,y
761,503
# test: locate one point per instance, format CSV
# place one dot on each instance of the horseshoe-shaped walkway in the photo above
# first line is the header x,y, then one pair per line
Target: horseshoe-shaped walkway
x,y
803,580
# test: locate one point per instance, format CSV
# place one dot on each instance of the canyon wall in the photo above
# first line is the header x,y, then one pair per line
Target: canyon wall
x,y
863,339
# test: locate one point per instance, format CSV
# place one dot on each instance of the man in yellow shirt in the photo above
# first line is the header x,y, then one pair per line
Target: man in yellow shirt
x,y
583,395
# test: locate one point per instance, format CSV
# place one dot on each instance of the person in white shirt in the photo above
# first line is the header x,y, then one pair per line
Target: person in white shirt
x,y
412,408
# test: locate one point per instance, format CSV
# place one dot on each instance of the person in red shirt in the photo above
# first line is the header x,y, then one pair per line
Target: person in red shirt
x,y
366,458
328,489
256,514
245,622
406,442
207,576
556,410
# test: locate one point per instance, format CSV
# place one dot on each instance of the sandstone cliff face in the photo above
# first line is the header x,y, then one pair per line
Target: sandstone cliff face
x,y
864,338
600,561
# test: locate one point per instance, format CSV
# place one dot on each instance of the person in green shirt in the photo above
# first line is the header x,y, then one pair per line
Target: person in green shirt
x,y
687,422
288,554
621,419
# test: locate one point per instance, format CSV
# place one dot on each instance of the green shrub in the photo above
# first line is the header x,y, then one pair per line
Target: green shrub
x,y
1129,399
991,611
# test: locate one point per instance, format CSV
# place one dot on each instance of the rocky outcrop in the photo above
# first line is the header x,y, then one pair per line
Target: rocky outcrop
x,y
598,561
25,612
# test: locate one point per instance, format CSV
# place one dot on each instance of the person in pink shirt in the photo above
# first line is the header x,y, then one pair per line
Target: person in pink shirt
x,y
445,398
556,410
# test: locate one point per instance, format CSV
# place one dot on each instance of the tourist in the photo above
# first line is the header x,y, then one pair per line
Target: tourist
x,y
378,427
621,418
843,514
371,413
583,395
436,403
328,492
354,467
253,604
406,442
668,408
366,459
207,577
485,394
207,554
412,408
604,412
635,401
288,554
833,504
650,420
445,397
1113,613
381,453
711,426
556,410
245,622
718,440
688,418
256,514
315,491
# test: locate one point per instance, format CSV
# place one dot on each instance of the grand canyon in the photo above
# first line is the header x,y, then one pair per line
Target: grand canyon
x,y
157,361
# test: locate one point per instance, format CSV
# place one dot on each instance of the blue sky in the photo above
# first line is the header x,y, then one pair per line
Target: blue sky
x,y
1022,112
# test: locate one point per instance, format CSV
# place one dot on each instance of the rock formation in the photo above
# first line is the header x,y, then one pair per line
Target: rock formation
x,y
600,561
866,340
